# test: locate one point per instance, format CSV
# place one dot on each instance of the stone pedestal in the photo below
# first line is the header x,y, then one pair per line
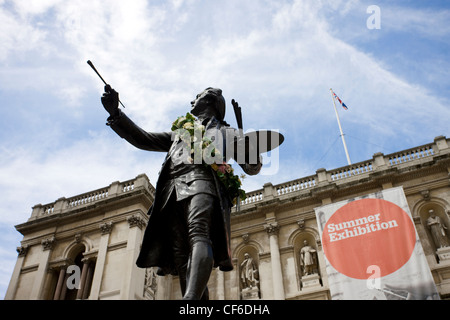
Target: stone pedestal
x,y
310,281
443,253
250,293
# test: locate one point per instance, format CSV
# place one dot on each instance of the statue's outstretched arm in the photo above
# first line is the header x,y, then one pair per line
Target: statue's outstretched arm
x,y
127,129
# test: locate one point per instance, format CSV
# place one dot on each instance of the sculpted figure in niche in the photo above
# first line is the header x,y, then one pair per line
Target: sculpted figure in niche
x,y
150,278
437,229
249,272
308,259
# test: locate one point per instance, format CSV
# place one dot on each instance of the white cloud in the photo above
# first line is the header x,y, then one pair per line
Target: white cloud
x,y
32,175
429,23
31,8
17,36
8,257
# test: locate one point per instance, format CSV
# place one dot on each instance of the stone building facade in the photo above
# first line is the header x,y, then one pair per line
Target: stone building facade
x,y
85,247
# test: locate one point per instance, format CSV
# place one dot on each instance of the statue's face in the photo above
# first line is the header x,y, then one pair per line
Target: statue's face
x,y
201,103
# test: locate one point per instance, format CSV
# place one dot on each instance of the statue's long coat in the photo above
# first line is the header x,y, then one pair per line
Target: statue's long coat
x,y
156,248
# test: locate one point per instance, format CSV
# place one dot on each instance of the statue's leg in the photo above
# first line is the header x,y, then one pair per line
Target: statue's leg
x,y
199,269
182,274
199,210
180,245
205,295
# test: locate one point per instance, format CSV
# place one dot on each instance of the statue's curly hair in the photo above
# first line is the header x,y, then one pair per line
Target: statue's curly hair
x,y
219,101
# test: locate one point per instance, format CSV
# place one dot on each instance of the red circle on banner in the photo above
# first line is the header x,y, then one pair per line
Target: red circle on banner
x,y
368,232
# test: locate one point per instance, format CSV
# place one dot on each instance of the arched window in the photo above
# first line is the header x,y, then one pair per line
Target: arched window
x,y
72,281
75,278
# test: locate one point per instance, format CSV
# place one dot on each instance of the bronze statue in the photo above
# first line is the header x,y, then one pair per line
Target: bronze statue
x,y
188,231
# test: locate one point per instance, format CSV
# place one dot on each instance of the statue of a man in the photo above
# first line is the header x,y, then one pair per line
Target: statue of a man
x,y
188,232
249,272
308,258
437,229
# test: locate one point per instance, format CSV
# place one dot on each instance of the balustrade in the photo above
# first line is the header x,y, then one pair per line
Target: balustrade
x,y
91,197
411,154
296,185
351,170
48,209
341,175
253,197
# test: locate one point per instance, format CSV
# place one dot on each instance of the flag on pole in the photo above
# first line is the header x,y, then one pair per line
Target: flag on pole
x,y
340,101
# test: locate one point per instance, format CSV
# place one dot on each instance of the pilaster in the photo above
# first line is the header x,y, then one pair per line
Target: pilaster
x,y
47,246
12,288
105,229
133,280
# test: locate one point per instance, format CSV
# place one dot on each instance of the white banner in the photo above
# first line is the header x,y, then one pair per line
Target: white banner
x,y
372,250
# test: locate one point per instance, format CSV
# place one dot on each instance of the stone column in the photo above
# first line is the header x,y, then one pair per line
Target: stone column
x,y
105,229
88,282
61,282
11,291
277,274
84,273
220,285
47,246
64,287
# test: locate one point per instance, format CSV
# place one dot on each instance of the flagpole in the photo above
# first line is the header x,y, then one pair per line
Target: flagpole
x,y
340,128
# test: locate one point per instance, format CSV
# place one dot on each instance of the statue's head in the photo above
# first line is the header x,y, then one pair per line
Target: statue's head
x,y
209,103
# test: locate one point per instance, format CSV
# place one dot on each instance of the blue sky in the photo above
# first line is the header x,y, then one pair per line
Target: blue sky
x,y
278,59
